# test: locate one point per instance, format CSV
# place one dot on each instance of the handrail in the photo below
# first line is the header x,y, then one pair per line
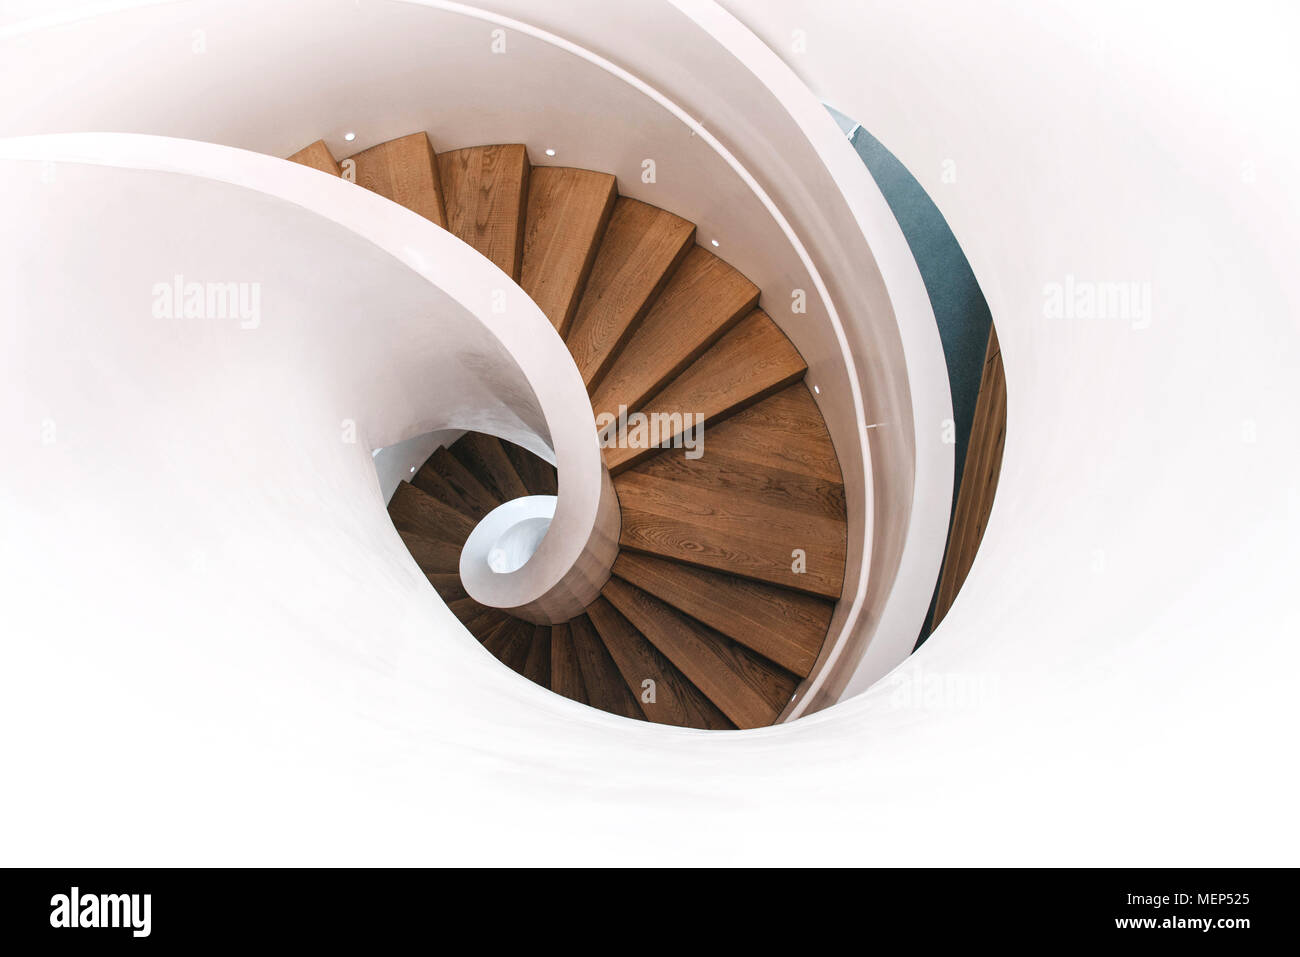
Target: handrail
x,y
543,404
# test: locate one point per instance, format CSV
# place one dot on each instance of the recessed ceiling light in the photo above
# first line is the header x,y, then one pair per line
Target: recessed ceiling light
x,y
817,389
349,136
412,468
550,152
714,241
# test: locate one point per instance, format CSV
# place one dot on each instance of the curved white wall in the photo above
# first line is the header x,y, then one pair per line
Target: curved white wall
x,y
1111,687
740,148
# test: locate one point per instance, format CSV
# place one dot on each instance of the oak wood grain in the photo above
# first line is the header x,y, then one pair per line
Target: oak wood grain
x,y
702,300
605,687
785,626
568,210
317,156
404,170
485,191
641,248
751,361
675,700
979,480
747,688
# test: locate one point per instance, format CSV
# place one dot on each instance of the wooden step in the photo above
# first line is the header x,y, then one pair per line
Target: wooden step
x,y
465,608
784,626
739,534
447,585
485,459
477,500
537,474
748,689
566,673
733,461
704,298
642,246
485,191
317,156
762,489
404,170
752,361
567,213
413,510
537,667
510,642
676,700
427,480
785,432
431,554
483,622
605,687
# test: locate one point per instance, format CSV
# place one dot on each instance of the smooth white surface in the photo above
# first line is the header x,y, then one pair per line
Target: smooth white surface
x,y
506,537
499,367
737,146
1113,686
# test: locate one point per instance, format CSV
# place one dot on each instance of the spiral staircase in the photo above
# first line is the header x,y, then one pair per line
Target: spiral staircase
x,y
731,560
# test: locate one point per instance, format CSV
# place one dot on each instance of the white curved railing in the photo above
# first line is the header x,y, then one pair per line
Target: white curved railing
x,y
785,201
501,367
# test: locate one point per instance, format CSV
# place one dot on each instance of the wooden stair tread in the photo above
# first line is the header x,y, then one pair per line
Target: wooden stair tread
x,y
784,431
537,474
751,361
701,301
448,586
566,673
738,534
784,626
404,170
476,498
317,156
567,213
641,247
510,642
484,621
431,554
485,458
427,480
600,675
676,701
485,192
537,666
414,510
747,688
464,608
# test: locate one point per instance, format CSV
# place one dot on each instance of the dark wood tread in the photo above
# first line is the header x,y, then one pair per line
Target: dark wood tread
x,y
787,627
414,510
665,695
747,688
485,458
